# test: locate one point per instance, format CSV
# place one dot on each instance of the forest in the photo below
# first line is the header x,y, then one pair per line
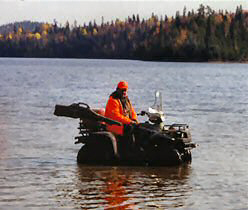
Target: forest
x,y
202,35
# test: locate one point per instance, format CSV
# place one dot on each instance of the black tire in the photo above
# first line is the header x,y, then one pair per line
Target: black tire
x,y
164,157
83,155
101,153
99,149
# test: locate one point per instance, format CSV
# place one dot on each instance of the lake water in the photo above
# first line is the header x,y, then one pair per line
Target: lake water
x,y
38,166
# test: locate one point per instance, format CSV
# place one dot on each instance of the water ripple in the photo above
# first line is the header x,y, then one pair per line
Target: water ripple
x,y
38,157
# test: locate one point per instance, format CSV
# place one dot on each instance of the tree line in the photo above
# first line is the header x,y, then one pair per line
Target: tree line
x,y
202,35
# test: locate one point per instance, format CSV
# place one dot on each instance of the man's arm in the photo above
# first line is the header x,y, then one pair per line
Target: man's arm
x,y
114,112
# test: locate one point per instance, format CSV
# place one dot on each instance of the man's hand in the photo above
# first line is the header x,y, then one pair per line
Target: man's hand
x,y
134,121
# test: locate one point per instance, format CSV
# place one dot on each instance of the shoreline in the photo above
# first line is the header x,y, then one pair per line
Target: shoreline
x,y
144,60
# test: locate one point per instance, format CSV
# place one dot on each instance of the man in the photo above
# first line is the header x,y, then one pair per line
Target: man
x,y
119,108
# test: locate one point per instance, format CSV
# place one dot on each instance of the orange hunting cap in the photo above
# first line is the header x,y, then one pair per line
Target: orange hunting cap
x,y
122,85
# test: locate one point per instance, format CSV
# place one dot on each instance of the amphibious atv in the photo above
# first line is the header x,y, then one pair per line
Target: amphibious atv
x,y
149,143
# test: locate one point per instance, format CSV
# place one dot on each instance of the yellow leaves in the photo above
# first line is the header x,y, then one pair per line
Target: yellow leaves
x,y
151,20
84,32
30,35
37,35
44,33
119,22
229,19
10,36
20,30
1,37
94,31
170,20
183,36
33,36
46,26
219,18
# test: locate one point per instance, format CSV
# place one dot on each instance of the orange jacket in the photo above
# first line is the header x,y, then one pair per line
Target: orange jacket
x,y
114,110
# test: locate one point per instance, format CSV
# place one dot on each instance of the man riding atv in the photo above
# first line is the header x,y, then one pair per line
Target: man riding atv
x,y
119,108
118,139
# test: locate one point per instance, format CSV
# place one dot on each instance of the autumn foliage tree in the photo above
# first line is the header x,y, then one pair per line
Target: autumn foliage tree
x,y
202,35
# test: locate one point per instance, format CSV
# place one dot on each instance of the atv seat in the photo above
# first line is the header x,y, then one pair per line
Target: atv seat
x,y
93,125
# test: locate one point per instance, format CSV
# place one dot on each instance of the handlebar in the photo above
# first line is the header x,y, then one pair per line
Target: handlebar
x,y
143,113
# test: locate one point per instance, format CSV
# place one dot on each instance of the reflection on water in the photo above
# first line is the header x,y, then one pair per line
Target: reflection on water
x,y
127,187
115,188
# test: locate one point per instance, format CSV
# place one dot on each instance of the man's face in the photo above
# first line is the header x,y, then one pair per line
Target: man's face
x,y
124,92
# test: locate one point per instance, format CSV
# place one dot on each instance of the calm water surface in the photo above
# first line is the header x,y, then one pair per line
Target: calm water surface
x,y
38,166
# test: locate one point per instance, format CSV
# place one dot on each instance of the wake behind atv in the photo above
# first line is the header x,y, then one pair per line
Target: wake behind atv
x,y
150,143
